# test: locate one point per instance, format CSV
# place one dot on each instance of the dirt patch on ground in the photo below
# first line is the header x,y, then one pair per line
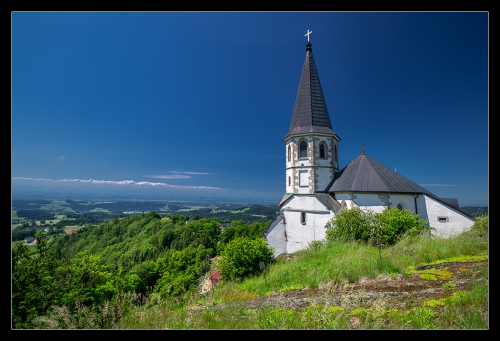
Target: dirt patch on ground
x,y
402,292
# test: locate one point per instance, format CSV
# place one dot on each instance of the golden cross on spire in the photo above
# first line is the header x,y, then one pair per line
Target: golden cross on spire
x,y
362,147
308,34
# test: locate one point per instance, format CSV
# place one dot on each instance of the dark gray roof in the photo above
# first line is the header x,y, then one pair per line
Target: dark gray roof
x,y
453,202
310,114
364,174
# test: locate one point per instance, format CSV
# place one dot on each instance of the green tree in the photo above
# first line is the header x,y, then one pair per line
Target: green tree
x,y
34,284
241,257
384,228
393,223
182,270
351,224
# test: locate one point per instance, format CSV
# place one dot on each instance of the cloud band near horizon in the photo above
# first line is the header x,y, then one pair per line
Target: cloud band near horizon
x,y
122,182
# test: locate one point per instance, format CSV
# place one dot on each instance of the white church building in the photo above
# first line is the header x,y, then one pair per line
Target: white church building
x,y
317,189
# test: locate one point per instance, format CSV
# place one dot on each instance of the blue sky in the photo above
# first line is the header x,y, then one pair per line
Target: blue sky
x,y
196,104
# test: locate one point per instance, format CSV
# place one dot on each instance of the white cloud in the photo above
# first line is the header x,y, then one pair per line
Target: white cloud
x,y
176,175
194,173
119,183
169,176
437,185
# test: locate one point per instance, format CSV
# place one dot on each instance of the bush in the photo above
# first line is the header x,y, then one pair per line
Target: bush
x,y
352,224
394,223
241,257
481,224
376,228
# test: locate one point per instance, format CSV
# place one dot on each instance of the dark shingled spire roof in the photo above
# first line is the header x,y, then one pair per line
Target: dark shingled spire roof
x,y
309,112
364,174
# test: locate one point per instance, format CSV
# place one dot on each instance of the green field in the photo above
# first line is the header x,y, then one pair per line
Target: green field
x,y
98,209
68,229
58,206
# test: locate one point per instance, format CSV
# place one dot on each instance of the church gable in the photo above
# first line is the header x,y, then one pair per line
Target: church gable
x,y
306,203
445,220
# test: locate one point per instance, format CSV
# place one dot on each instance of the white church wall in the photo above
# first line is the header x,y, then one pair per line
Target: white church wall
x,y
406,200
324,176
275,236
299,235
305,203
446,221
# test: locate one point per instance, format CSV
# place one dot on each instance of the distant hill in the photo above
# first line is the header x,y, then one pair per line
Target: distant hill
x,y
75,209
475,211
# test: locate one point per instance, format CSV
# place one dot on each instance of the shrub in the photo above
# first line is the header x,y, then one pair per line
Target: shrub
x,y
384,228
394,223
481,224
241,257
352,224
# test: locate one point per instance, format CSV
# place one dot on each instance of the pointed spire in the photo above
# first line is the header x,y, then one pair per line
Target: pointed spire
x,y
310,114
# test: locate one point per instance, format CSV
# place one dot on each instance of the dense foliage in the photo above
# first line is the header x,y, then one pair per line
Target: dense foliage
x,y
475,211
242,257
384,228
35,214
143,254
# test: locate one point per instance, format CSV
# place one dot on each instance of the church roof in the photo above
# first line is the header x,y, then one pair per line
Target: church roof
x,y
365,174
310,114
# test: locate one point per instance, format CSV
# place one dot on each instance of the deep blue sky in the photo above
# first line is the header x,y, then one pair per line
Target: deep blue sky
x,y
202,101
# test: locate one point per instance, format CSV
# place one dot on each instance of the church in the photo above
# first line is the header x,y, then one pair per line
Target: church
x,y
317,189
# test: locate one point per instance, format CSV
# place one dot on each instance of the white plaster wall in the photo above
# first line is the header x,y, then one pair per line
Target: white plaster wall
x,y
325,175
372,201
304,189
300,236
289,188
456,224
408,201
275,236
304,203
369,202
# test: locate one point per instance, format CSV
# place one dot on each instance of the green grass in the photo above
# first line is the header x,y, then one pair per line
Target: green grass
x,y
326,265
323,266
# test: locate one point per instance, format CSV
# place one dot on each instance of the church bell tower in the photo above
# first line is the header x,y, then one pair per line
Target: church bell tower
x,y
311,144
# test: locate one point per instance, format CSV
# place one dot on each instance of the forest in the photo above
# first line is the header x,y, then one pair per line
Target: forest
x,y
138,254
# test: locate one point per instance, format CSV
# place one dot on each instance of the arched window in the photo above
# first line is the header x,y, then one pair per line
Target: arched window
x,y
303,218
289,153
303,149
322,153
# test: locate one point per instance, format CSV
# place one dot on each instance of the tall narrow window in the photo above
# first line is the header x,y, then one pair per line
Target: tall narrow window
x,y
289,181
303,149
289,153
336,154
322,154
303,218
